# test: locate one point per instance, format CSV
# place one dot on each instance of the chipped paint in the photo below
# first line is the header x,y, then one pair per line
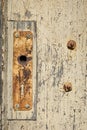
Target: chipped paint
x,y
55,26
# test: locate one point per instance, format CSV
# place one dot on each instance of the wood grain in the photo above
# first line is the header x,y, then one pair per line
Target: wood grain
x,y
0,62
57,23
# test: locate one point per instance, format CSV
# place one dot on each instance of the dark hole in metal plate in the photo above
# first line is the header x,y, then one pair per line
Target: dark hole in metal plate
x,y
22,59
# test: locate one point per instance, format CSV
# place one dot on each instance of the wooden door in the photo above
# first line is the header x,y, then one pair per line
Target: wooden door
x,y
59,58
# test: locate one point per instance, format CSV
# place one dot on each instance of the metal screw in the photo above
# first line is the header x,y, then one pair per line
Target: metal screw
x,y
17,35
27,106
67,87
28,36
17,105
71,44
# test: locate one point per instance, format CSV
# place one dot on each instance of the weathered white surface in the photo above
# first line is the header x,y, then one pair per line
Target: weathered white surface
x,y
58,21
0,62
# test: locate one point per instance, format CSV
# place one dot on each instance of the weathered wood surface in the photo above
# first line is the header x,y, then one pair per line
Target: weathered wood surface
x,y
0,61
58,21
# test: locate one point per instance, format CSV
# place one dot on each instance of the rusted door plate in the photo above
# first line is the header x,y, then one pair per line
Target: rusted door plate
x,y
22,70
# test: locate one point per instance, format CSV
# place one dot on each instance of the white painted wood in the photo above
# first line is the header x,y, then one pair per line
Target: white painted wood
x,y
1,64
58,21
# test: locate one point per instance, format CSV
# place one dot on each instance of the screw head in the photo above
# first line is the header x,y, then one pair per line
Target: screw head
x,y
71,45
29,36
67,87
17,105
17,34
27,106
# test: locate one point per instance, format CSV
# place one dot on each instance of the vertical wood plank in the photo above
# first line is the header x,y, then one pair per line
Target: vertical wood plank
x,y
57,23
0,60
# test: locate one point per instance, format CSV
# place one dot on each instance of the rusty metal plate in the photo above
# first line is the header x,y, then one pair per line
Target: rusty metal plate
x,y
22,70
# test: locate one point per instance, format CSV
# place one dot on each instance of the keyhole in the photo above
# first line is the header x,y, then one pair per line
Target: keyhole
x,y
22,59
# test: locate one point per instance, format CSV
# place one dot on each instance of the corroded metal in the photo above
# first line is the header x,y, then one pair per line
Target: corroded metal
x,y
71,45
22,70
67,87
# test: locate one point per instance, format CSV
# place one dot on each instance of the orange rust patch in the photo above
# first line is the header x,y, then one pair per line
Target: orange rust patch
x,y
71,45
67,87
22,70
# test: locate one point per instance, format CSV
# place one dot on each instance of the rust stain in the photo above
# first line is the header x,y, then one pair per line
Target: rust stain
x,y
67,87
71,45
22,70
